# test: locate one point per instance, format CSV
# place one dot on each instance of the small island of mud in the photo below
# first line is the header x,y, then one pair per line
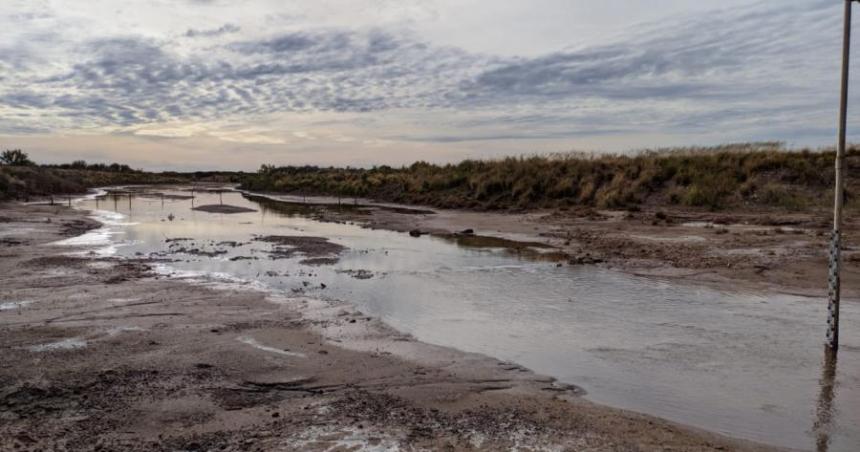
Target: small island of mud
x,y
223,208
317,250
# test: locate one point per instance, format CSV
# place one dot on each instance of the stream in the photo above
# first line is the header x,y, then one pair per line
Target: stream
x,y
746,364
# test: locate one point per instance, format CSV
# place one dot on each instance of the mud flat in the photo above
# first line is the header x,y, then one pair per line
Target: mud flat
x,y
103,354
223,208
317,250
778,251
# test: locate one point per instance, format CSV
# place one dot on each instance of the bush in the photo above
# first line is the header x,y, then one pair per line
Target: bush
x,y
712,178
780,196
15,157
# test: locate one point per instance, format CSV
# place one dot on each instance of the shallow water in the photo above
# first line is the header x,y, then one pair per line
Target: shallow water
x,y
749,365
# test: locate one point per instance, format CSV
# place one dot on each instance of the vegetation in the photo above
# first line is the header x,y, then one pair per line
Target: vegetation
x,y
15,157
752,174
23,182
20,178
760,175
83,165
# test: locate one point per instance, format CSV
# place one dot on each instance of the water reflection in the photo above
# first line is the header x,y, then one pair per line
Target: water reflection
x,y
131,195
116,197
825,409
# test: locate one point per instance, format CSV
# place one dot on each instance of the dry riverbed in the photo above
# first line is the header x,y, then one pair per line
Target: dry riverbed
x,y
104,354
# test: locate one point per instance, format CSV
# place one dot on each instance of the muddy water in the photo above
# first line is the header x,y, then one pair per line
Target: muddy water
x,y
749,365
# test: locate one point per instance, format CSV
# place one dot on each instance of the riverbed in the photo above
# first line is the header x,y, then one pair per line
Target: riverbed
x,y
743,363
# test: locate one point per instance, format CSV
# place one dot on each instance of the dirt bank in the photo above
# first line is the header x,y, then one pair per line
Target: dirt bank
x,y
773,251
101,354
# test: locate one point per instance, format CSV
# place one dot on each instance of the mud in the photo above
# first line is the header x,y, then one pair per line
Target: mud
x,y
775,251
151,363
358,274
313,248
222,208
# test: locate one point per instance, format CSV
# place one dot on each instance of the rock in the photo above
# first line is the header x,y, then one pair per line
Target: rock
x,y
416,233
469,231
586,259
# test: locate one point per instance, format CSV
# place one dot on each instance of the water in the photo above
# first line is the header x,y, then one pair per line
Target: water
x,y
750,365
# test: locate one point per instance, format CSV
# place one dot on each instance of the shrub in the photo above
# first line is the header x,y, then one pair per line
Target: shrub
x,y
714,178
15,157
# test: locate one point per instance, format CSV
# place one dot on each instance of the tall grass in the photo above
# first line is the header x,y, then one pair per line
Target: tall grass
x,y
752,174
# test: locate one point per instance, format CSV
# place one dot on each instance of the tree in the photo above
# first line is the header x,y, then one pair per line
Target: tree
x,y
15,157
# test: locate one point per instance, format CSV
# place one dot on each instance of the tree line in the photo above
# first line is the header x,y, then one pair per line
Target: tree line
x,y
17,157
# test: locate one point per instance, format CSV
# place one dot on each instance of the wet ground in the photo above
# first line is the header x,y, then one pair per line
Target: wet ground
x,y
746,364
101,354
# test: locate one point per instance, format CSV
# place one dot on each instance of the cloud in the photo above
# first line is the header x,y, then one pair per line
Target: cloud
x,y
747,70
132,80
730,54
211,33
734,68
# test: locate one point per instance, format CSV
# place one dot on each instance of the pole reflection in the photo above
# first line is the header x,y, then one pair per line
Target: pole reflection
x,y
825,410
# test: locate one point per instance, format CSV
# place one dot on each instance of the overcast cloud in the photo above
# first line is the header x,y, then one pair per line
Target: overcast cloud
x,y
211,83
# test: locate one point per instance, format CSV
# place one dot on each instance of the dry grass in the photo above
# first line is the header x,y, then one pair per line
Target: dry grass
x,y
748,174
22,182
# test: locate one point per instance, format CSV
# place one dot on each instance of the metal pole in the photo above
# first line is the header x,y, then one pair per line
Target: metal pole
x,y
836,241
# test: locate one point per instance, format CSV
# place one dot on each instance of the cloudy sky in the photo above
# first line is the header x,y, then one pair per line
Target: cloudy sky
x,y
208,84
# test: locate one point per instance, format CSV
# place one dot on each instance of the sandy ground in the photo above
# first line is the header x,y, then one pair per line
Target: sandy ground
x,y
102,354
775,252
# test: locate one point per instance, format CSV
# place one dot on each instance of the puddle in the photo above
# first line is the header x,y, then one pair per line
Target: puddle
x,y
14,305
680,238
748,365
116,331
336,438
253,343
65,344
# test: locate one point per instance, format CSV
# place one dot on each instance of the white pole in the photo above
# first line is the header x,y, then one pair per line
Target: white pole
x,y
836,243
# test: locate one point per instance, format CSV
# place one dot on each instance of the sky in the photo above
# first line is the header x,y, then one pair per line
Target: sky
x,y
233,84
